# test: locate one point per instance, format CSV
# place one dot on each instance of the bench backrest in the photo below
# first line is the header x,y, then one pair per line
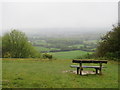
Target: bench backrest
x,y
89,61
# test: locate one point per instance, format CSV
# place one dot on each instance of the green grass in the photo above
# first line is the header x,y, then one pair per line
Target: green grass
x,y
41,48
36,73
78,45
68,54
91,41
38,48
40,42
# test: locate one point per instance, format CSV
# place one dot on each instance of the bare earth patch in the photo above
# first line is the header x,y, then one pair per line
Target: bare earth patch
x,y
83,72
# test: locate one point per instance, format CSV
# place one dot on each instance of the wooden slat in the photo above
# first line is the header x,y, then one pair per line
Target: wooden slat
x,y
89,61
92,66
76,66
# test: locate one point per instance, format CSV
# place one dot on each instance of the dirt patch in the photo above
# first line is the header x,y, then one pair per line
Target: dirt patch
x,y
75,72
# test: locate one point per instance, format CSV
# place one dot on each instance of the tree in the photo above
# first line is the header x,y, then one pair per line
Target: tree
x,y
16,45
109,46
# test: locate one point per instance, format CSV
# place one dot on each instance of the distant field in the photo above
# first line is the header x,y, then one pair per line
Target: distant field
x,y
68,54
39,48
37,73
91,41
78,45
64,54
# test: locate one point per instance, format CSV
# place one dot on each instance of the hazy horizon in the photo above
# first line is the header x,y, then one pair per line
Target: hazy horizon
x,y
59,30
83,16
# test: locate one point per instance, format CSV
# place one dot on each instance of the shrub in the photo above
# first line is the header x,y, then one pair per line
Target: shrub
x,y
46,55
86,56
7,55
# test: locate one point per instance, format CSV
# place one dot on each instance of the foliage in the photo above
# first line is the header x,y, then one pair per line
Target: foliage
x,y
85,56
109,46
16,45
46,55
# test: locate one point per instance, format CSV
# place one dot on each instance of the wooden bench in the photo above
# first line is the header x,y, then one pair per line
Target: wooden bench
x,y
80,67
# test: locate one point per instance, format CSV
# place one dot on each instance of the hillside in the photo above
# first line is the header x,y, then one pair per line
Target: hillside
x,y
36,73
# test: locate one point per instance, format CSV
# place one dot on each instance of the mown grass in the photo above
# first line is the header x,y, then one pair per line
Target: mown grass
x,y
68,54
36,73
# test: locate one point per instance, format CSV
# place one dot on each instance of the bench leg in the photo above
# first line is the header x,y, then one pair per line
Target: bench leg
x,y
80,68
96,70
100,69
77,70
80,72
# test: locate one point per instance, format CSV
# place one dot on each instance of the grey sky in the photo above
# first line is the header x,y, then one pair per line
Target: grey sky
x,y
59,15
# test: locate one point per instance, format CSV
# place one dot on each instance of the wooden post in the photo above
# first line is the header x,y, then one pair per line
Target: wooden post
x,y
100,68
80,68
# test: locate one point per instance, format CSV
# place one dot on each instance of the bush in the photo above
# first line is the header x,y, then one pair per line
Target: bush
x,y
113,56
46,55
7,55
86,56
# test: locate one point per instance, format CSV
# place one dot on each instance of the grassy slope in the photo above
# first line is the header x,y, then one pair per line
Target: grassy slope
x,y
62,55
68,54
49,74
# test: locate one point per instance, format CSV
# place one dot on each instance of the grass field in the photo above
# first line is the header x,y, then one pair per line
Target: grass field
x,y
38,48
78,45
36,73
69,54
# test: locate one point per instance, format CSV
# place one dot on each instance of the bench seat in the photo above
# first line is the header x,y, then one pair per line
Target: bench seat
x,y
77,66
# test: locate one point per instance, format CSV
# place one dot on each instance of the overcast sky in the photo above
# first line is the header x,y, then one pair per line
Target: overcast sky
x,y
19,15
